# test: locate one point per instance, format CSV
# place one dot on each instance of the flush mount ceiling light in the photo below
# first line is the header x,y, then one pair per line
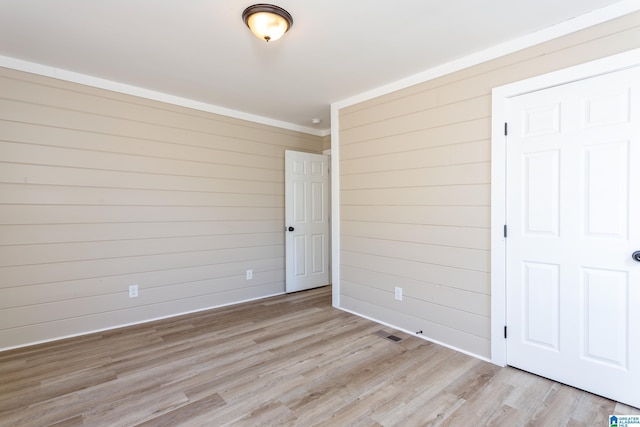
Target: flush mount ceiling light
x,y
266,21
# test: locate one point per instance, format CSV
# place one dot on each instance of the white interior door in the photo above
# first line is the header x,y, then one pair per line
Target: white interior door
x,y
307,220
573,217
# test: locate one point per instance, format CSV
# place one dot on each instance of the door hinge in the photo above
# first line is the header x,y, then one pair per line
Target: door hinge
x,y
505,332
505,129
504,230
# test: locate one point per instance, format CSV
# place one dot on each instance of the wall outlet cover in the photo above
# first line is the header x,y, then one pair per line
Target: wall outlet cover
x,y
133,291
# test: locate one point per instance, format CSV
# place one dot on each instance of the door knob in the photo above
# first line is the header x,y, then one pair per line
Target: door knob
x,y
291,229
636,256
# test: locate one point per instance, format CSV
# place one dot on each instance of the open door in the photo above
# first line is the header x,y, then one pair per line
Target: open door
x,y
306,220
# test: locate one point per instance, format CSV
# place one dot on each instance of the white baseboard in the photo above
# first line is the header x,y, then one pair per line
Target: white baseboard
x,y
64,337
459,350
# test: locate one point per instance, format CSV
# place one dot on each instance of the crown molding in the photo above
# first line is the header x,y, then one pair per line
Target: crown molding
x,y
87,80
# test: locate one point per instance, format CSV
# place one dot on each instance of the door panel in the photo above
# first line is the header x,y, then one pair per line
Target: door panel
x,y
605,327
573,213
541,282
607,186
542,196
307,214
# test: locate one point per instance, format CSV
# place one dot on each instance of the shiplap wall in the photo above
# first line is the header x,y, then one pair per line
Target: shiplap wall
x,y
415,190
326,142
100,190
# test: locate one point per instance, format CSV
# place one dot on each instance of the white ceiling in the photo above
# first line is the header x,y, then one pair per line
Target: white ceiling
x,y
201,50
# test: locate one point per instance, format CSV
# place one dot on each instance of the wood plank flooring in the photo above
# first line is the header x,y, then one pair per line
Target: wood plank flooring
x,y
291,360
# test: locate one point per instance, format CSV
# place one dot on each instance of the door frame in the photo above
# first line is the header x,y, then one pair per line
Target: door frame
x,y
499,114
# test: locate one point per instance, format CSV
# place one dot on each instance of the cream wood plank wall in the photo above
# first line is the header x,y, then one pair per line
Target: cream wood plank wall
x,y
100,190
326,142
415,190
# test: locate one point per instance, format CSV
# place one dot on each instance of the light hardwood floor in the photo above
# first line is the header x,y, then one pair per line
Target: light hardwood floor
x,y
288,360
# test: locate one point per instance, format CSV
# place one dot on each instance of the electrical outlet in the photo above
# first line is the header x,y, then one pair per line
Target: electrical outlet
x,y
133,291
398,293
249,274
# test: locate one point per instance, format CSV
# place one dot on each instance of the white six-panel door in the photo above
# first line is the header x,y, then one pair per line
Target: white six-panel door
x,y
306,220
573,216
